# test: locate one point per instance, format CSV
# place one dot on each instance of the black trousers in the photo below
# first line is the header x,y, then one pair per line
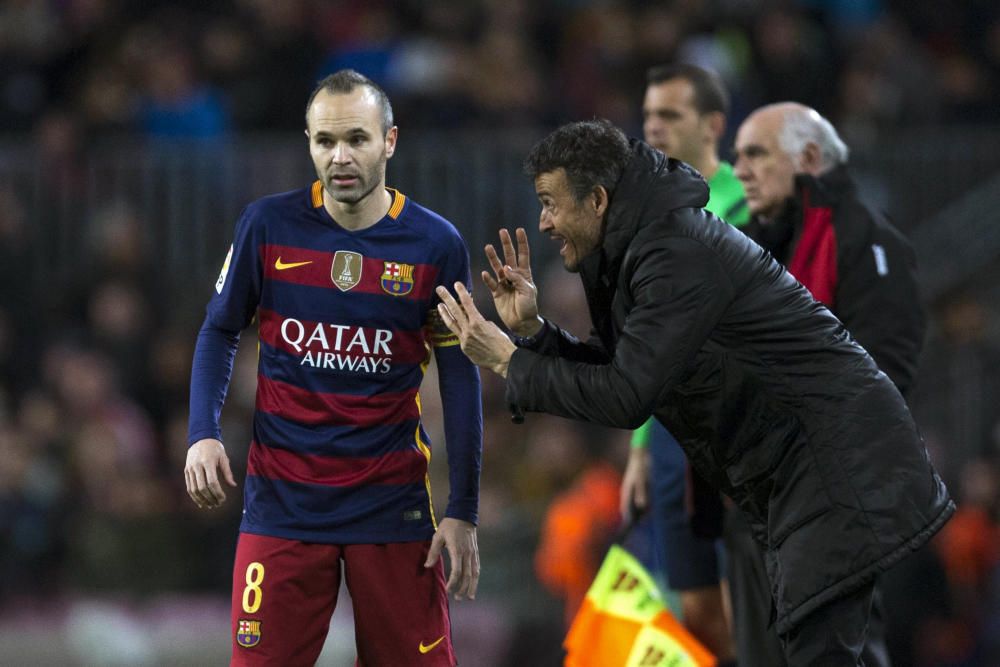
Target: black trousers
x,y
847,632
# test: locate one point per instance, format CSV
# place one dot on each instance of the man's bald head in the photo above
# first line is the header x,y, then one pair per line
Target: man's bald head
x,y
778,141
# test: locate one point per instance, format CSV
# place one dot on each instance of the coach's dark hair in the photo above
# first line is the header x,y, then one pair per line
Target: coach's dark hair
x,y
592,152
345,81
709,92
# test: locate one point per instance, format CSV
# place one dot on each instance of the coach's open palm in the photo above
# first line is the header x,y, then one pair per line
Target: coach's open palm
x,y
514,292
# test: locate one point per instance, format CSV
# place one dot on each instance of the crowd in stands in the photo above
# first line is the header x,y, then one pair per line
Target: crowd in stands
x,y
180,68
94,371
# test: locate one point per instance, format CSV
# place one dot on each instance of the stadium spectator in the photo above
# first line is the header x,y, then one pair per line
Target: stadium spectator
x,y
337,470
695,323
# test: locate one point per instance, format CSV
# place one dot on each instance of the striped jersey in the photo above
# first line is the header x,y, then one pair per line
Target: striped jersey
x,y
347,322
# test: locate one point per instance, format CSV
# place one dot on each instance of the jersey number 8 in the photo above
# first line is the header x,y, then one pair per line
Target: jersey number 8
x,y
255,577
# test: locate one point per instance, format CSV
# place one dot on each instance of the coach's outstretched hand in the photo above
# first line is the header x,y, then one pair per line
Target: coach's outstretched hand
x,y
459,537
482,341
514,292
205,460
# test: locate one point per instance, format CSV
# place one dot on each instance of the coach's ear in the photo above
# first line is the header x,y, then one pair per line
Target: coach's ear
x,y
599,200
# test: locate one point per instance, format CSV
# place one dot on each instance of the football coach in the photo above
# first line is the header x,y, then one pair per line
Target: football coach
x,y
772,400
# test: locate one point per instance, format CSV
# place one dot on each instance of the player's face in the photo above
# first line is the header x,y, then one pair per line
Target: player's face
x,y
671,123
576,225
347,145
766,171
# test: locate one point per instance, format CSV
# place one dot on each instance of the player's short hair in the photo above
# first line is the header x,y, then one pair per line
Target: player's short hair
x,y
802,126
345,81
710,93
592,152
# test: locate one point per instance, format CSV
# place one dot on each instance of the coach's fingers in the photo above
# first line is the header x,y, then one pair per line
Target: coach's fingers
x,y
509,255
452,310
468,306
491,283
494,260
520,282
523,251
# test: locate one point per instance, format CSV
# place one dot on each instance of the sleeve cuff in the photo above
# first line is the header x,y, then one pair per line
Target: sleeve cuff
x,y
464,511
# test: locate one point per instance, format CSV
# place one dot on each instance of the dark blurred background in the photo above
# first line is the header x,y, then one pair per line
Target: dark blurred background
x,y
132,134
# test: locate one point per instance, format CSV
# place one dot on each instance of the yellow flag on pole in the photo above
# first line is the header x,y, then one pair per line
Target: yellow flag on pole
x,y
624,622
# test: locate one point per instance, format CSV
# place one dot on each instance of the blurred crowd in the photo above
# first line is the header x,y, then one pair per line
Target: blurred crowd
x,y
94,372
182,68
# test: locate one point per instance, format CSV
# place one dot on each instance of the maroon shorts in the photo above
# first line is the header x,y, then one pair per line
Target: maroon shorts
x,y
284,592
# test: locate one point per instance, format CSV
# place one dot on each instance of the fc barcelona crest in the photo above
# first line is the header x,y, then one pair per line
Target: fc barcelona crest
x,y
346,269
247,633
397,279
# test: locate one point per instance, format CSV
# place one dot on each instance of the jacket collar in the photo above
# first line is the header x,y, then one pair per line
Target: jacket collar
x,y
650,186
825,189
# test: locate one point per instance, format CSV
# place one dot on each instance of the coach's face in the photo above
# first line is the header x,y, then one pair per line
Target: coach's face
x,y
347,145
766,171
576,225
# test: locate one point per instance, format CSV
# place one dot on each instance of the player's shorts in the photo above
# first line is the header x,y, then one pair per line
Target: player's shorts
x,y
688,561
285,591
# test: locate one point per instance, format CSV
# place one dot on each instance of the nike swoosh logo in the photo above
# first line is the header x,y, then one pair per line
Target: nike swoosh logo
x,y
281,266
428,647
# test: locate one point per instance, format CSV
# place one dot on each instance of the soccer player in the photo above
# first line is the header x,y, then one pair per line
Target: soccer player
x,y
772,399
340,277
684,116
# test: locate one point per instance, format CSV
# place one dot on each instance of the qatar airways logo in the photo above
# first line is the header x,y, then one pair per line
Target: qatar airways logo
x,y
339,346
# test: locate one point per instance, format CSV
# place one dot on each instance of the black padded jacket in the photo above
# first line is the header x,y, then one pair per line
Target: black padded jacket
x,y
772,400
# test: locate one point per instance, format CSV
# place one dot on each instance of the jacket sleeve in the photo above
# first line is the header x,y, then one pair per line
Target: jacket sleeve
x,y
877,298
556,342
677,291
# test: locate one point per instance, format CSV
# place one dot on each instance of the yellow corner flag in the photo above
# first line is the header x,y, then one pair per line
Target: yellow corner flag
x,y
624,622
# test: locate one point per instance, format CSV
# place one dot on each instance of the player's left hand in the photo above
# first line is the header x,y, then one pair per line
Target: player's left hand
x,y
459,537
482,341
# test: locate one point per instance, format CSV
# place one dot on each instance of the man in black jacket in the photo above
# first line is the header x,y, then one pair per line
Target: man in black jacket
x,y
807,213
771,398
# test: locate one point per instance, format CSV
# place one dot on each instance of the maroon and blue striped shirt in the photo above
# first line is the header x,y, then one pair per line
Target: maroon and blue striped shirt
x,y
346,323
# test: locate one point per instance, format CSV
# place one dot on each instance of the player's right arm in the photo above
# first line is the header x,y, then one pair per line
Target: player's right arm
x,y
230,310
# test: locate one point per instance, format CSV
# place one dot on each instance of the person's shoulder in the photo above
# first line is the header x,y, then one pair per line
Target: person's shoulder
x,y
270,210
432,225
282,202
854,216
680,223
